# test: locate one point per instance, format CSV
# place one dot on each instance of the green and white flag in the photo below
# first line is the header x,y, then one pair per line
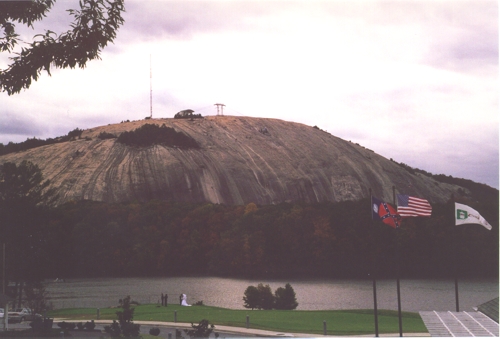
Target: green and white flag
x,y
467,215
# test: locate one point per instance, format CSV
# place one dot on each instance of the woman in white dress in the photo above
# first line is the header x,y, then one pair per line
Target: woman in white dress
x,y
184,300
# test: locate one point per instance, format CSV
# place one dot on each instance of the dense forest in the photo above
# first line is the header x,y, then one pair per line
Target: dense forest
x,y
159,238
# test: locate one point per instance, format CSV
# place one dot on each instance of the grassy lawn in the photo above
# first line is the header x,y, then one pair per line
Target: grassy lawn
x,y
339,322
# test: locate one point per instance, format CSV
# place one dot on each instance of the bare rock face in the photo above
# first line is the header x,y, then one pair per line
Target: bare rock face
x,y
241,160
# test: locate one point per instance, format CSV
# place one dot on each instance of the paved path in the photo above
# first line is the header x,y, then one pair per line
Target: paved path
x,y
167,330
459,324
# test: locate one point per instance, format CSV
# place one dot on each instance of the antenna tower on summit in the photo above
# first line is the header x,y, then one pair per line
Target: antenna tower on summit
x,y
221,107
150,88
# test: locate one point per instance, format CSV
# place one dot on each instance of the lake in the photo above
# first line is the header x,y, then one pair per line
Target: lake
x,y
416,295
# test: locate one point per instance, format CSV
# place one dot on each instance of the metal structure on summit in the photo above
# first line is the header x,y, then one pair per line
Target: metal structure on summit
x,y
220,108
150,88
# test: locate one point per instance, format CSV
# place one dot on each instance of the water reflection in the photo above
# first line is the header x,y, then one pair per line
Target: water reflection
x,y
416,295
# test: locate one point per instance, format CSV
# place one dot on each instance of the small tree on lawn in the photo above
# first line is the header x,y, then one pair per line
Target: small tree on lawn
x,y
285,298
35,297
251,297
266,296
125,325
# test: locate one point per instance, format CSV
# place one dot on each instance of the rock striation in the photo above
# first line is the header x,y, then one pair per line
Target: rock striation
x,y
240,160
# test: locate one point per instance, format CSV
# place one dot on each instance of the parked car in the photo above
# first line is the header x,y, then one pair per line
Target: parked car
x,y
23,314
14,317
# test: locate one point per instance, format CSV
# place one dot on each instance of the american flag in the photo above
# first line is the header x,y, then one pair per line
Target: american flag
x,y
413,207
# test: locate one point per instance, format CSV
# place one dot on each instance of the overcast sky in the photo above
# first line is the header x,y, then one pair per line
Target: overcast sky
x,y
416,81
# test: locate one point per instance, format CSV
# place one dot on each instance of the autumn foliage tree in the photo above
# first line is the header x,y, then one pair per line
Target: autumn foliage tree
x,y
158,238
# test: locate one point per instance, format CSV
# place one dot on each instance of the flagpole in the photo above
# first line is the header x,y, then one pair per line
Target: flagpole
x,y
455,233
464,215
375,310
397,269
374,282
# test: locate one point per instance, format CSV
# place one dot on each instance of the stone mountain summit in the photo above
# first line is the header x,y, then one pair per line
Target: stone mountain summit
x,y
239,160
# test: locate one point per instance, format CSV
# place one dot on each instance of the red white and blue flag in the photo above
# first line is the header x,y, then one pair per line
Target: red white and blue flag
x,y
386,213
413,207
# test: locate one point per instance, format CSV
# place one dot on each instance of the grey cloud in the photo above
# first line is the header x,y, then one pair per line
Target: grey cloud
x,y
17,125
468,39
480,166
477,46
475,159
150,20
481,172
483,168
470,51
460,35
181,19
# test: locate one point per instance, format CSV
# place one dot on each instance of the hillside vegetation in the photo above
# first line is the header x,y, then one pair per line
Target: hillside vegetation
x,y
151,134
332,240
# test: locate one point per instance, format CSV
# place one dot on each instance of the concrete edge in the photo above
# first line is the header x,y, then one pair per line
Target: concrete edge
x,y
249,331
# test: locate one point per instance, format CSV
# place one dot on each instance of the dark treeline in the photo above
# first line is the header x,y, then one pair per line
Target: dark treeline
x,y
30,143
158,238
151,134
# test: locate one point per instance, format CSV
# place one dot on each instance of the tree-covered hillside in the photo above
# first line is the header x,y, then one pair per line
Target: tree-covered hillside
x,y
335,240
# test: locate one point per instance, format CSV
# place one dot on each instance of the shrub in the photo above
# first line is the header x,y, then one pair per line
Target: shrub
x,y
113,330
75,133
63,325
90,325
154,331
202,330
106,135
67,326
151,134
